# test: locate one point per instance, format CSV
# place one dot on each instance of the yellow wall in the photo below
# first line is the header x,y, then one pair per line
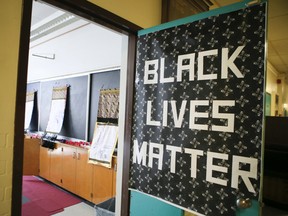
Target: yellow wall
x,y
271,79
145,13
10,15
271,86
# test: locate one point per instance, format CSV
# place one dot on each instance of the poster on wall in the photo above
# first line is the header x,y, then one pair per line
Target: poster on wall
x,y
104,141
57,109
29,109
105,135
198,111
108,106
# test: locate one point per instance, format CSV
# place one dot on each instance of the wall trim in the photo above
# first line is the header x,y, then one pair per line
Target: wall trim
x,y
18,148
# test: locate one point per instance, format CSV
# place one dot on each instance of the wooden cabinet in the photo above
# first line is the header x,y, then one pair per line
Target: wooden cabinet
x,y
84,177
31,156
69,160
76,172
114,177
68,167
44,163
50,165
59,165
104,182
56,165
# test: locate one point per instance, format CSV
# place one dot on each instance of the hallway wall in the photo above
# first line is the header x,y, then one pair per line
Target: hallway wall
x,y
143,13
10,17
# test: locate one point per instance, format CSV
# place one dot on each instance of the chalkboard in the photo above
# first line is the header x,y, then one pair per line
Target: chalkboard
x,y
74,124
105,80
34,87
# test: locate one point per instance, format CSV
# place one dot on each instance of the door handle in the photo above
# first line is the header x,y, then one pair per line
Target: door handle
x,y
244,203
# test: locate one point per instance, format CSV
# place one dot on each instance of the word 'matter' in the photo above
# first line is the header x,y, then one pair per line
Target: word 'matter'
x,y
139,157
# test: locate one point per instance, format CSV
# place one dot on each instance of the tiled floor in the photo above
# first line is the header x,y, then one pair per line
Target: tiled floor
x,y
86,210
80,209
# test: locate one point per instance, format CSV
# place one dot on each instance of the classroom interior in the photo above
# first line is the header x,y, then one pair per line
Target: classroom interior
x,y
87,58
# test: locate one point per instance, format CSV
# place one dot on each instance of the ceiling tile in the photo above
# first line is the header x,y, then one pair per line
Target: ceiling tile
x,y
285,59
275,60
277,8
281,68
271,50
277,28
281,46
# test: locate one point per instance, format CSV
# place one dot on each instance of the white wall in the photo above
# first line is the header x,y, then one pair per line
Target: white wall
x,y
274,88
87,48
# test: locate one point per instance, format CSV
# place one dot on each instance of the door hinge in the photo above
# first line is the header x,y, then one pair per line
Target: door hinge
x,y
91,195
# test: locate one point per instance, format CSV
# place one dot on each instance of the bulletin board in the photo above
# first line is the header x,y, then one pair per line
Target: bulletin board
x,y
74,124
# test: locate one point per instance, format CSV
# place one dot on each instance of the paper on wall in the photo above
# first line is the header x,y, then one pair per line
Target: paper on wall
x,y
103,144
57,110
28,109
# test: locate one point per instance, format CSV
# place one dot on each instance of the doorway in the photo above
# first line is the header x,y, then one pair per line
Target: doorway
x,y
127,32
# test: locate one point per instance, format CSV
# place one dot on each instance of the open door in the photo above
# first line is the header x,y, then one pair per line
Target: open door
x,y
198,113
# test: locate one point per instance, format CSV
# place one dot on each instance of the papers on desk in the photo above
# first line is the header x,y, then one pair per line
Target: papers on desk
x,y
103,144
29,109
57,110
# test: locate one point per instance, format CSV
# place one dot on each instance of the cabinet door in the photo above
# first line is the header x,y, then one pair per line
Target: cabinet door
x,y
44,163
31,156
56,165
114,163
69,168
102,183
84,177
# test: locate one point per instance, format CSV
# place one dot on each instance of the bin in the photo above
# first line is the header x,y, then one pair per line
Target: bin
x,y
106,208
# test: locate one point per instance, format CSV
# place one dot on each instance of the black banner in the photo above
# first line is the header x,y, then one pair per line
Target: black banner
x,y
197,128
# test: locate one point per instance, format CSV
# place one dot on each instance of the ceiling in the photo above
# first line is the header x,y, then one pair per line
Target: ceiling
x,y
41,11
66,45
277,29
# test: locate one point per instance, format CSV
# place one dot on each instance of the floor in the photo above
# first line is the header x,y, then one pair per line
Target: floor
x,y
270,211
87,210
78,209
